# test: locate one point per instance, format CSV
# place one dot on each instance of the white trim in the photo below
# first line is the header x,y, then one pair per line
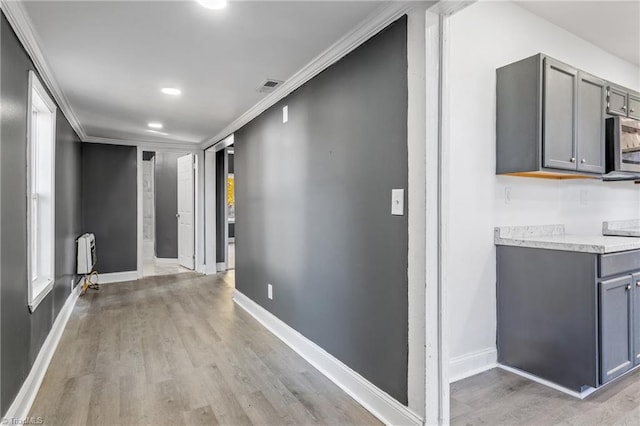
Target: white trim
x,y
468,365
117,277
186,147
22,403
35,300
165,260
210,211
41,92
20,23
373,24
378,402
416,196
221,267
224,143
579,395
140,212
199,201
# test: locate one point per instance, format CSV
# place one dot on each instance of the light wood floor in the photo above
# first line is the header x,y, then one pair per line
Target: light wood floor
x,y
497,397
176,350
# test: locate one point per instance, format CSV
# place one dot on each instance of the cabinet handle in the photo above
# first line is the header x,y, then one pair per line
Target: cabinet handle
x,y
624,107
584,160
637,283
632,110
572,159
628,287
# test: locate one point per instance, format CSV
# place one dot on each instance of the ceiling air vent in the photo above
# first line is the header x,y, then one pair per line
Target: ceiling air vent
x,y
269,85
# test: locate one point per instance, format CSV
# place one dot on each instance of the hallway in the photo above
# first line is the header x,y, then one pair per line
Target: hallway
x,y
175,349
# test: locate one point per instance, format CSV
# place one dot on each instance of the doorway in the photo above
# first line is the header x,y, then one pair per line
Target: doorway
x,y
168,195
225,209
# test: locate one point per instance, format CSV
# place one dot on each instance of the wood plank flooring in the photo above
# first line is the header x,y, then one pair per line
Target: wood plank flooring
x,y
497,397
175,349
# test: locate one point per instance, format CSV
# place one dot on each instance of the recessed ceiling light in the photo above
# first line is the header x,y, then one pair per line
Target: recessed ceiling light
x,y
158,133
155,125
213,4
171,91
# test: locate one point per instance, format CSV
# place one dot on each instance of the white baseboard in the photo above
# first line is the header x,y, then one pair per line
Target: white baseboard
x,y
22,403
221,266
378,402
117,277
471,364
162,260
575,394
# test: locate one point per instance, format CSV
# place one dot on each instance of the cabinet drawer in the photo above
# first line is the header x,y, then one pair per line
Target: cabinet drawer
x,y
619,263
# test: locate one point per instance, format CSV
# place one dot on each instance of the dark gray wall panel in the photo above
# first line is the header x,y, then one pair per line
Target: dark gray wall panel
x,y
22,333
109,204
167,205
313,201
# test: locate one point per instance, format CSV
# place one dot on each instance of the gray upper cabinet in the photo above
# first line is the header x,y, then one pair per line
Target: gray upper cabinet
x,y
623,102
591,123
550,118
617,101
634,106
616,338
560,94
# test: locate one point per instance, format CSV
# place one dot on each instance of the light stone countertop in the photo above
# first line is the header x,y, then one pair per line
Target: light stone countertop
x,y
625,228
553,237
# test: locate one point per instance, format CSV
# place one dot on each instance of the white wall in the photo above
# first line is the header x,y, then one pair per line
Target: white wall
x,y
485,36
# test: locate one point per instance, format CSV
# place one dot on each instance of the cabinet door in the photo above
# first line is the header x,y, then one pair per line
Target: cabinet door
x,y
616,102
616,349
634,107
591,124
636,319
560,94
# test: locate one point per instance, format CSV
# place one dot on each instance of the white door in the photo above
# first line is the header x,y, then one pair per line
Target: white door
x,y
186,237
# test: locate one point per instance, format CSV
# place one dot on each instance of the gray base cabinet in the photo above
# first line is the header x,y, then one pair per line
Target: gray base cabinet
x,y
616,347
568,317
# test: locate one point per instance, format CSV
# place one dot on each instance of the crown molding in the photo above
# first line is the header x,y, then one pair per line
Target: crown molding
x,y
187,147
21,24
373,24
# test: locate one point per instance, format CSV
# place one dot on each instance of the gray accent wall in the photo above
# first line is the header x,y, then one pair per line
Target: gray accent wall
x,y
313,208
22,333
109,204
167,204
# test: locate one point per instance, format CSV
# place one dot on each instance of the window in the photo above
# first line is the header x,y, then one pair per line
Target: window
x,y
41,150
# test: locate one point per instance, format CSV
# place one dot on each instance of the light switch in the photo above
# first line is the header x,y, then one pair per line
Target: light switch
x,y
285,113
397,202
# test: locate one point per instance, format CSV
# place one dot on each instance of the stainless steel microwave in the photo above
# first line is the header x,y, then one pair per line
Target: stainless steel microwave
x,y
623,145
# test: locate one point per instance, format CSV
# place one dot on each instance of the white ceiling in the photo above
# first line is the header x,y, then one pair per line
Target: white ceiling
x,y
613,26
111,58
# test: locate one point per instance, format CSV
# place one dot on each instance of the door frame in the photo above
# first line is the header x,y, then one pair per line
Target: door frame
x,y
199,237
211,264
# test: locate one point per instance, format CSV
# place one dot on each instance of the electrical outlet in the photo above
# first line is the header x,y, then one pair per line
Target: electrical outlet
x,y
507,195
285,113
270,291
